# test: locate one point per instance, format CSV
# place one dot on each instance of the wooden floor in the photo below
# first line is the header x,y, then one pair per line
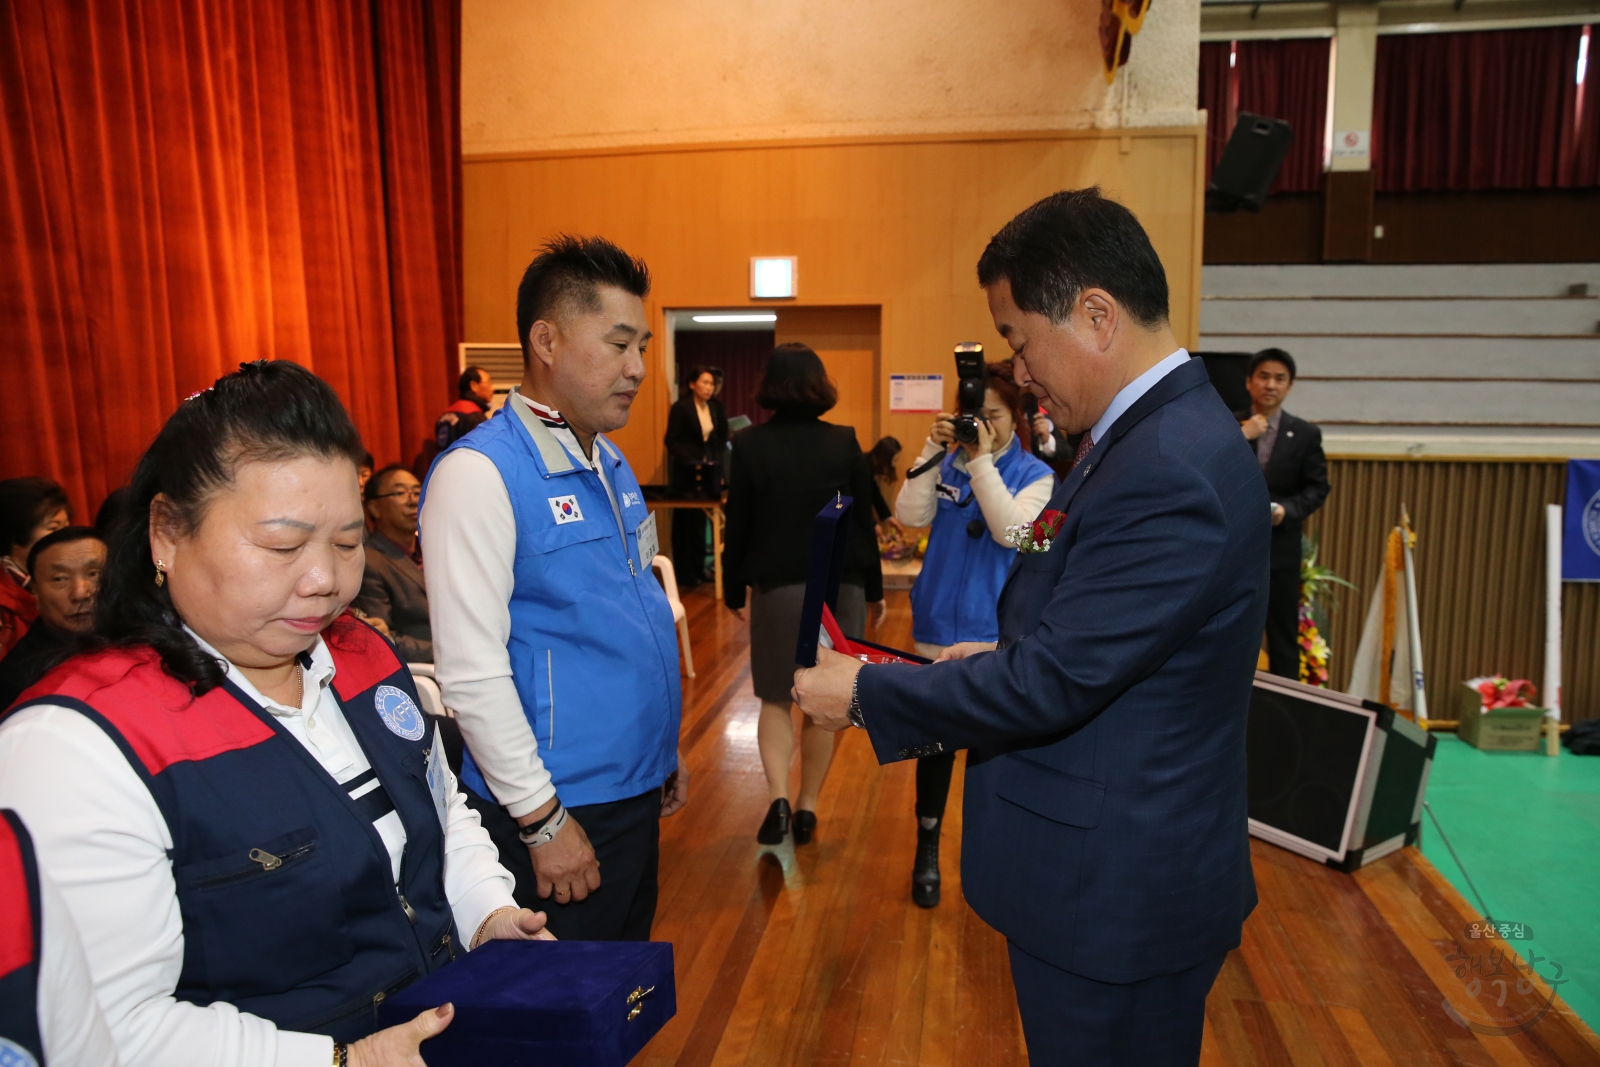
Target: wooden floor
x,y
816,955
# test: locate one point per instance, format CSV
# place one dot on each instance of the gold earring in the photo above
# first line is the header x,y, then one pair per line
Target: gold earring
x,y
161,573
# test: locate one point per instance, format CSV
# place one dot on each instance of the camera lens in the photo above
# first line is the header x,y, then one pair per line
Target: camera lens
x,y
965,429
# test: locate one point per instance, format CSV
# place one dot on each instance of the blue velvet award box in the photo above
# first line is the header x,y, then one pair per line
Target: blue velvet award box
x,y
830,543
544,1003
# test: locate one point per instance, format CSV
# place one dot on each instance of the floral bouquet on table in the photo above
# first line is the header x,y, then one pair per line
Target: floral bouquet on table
x,y
895,542
1499,692
1038,535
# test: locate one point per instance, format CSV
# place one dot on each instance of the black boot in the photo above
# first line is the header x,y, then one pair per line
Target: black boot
x,y
776,824
805,824
925,875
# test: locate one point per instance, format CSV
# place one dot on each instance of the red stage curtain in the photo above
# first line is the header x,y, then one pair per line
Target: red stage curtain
x,y
193,183
1216,90
1490,110
1281,79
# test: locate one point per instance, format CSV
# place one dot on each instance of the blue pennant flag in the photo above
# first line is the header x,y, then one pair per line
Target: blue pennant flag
x,y
1580,545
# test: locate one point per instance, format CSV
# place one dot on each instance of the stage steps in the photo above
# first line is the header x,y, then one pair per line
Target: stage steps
x,y
1456,359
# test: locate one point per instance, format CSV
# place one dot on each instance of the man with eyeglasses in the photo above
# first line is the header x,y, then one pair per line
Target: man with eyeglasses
x,y
392,589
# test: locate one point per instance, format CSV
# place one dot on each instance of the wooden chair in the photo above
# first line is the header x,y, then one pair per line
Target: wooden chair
x,y
668,577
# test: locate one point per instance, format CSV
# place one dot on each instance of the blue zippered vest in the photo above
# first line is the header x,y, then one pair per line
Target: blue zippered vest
x,y
594,652
954,597
290,909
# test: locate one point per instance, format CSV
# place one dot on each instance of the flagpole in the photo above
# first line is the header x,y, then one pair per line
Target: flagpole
x,y
1552,629
1419,693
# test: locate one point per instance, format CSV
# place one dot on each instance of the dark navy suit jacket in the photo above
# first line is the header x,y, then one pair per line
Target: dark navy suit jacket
x,y
1106,792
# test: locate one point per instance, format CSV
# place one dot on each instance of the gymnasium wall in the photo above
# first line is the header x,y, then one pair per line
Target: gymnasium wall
x,y
896,222
537,77
1480,571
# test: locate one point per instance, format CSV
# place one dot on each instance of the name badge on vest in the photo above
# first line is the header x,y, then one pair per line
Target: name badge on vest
x,y
649,543
439,780
399,713
565,509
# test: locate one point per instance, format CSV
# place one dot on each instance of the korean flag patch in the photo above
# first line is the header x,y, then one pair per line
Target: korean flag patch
x,y
399,713
565,509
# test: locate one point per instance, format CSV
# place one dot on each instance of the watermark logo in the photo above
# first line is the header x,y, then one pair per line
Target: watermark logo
x,y
1499,994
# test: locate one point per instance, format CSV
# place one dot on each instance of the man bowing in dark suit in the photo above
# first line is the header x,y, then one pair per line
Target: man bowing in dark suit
x,y
1289,450
1105,829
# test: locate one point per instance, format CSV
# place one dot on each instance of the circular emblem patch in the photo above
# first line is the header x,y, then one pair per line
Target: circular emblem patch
x,y
14,1055
399,713
1589,522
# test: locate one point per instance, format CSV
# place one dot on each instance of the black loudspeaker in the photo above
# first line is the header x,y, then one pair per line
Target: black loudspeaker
x,y
1249,164
1227,373
1334,778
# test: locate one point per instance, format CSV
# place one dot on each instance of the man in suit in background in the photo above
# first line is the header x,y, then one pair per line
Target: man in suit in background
x,y
392,588
1105,822
1289,450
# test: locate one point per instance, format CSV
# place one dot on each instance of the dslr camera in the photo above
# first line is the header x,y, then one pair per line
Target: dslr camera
x,y
970,390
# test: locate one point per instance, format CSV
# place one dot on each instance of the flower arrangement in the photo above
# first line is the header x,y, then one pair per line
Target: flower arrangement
x,y
1499,691
1317,599
1313,650
1038,535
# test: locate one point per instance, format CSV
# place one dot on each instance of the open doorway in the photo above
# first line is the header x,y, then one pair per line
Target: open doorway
x,y
737,342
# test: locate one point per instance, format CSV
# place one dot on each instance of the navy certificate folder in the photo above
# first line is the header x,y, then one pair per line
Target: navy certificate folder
x,y
830,542
577,1003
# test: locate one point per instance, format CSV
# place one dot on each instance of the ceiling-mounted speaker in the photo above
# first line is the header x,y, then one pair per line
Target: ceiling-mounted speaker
x,y
1249,164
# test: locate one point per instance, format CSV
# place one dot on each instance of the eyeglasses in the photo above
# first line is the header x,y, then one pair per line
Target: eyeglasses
x,y
414,493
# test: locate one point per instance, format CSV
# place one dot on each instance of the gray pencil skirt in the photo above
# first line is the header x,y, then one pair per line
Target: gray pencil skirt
x,y
775,626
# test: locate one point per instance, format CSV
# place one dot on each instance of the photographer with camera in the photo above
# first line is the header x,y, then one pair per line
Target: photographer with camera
x,y
987,482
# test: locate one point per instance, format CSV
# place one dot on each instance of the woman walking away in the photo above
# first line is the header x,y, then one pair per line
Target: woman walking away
x,y
783,472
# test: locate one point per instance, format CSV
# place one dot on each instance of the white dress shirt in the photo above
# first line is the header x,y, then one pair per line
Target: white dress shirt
x,y
100,834
1130,393
918,500
470,536
71,1027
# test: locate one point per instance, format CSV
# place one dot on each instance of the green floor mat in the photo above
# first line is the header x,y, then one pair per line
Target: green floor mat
x,y
1527,829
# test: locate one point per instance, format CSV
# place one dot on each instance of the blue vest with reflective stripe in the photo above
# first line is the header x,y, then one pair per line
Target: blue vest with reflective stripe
x,y
954,597
594,651
289,904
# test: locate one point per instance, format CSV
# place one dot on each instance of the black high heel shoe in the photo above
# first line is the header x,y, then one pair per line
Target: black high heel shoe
x,y
776,824
805,824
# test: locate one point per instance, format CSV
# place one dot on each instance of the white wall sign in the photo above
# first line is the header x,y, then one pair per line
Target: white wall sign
x,y
774,277
1352,144
916,394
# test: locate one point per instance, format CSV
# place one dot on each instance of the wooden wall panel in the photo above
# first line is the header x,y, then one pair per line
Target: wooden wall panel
x,y
1480,571
896,222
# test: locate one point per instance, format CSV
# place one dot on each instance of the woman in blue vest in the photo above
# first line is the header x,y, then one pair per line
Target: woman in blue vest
x,y
251,822
981,489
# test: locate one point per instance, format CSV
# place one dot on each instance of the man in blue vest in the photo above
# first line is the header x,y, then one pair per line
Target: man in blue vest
x,y
553,643
1105,824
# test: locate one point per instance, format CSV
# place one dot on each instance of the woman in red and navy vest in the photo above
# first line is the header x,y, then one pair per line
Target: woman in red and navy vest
x,y
252,823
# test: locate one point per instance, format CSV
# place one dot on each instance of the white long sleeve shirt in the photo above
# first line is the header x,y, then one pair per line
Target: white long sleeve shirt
x,y
100,834
918,500
470,536
70,1024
